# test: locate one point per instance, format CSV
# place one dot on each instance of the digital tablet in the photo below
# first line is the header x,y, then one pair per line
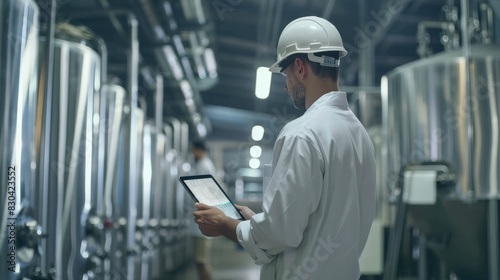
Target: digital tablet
x,y
204,189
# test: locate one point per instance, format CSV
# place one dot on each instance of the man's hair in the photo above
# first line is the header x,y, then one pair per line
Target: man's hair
x,y
320,71
199,145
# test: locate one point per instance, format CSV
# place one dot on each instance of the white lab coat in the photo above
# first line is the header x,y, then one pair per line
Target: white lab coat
x,y
320,200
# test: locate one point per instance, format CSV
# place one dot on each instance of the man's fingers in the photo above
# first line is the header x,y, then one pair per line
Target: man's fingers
x,y
239,207
201,206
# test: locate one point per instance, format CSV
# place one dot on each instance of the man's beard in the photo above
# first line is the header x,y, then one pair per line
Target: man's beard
x,y
298,96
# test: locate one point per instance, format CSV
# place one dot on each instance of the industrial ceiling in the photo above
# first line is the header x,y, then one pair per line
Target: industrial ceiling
x,y
242,35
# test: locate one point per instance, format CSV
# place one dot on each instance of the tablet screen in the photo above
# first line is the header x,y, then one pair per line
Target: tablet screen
x,y
206,190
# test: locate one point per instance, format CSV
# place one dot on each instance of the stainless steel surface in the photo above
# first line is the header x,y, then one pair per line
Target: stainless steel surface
x,y
18,150
72,245
157,215
466,53
426,118
44,128
139,222
115,208
144,196
131,144
159,169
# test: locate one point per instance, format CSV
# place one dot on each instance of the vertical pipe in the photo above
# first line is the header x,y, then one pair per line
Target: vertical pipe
x,y
159,103
486,23
133,70
46,81
366,72
184,141
466,53
493,247
422,258
103,50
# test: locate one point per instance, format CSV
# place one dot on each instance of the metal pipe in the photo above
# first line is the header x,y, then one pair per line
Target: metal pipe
x,y
466,53
176,133
103,50
133,72
327,13
46,80
277,21
423,49
159,103
101,147
114,20
98,13
486,23
493,246
184,140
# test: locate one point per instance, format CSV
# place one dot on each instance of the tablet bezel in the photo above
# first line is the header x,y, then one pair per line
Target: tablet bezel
x,y
205,176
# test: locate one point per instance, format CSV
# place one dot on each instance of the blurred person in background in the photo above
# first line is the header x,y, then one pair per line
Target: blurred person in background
x,y
202,244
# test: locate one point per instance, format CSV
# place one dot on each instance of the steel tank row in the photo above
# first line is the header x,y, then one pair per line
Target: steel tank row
x,y
77,213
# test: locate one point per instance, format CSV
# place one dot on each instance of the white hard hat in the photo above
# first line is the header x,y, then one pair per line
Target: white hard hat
x,y
309,35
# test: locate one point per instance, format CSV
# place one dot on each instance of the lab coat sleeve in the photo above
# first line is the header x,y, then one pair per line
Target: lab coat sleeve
x,y
292,195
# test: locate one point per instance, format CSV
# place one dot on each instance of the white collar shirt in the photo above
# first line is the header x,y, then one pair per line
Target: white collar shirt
x,y
320,201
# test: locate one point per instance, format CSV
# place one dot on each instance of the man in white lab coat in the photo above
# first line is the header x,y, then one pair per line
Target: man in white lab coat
x,y
202,245
320,200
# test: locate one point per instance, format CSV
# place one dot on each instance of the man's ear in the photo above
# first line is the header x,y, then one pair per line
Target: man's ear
x,y
301,68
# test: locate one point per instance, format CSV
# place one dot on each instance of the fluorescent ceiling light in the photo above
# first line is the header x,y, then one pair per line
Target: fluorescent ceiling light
x,y
179,45
186,89
200,68
263,82
202,130
167,8
193,10
210,63
254,163
173,62
257,133
199,11
255,151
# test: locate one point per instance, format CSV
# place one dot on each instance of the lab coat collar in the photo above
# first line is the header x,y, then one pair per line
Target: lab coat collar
x,y
333,98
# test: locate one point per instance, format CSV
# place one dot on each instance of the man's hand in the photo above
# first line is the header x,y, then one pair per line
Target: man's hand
x,y
210,220
213,222
246,212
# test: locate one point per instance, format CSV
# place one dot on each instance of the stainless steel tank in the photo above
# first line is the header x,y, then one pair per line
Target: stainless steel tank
x,y
168,224
72,247
141,196
145,198
159,170
114,220
124,248
18,151
430,116
176,193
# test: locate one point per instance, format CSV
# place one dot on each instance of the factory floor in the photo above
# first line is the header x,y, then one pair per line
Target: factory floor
x,y
228,263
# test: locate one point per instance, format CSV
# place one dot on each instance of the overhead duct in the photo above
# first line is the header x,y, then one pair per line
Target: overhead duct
x,y
196,41
174,60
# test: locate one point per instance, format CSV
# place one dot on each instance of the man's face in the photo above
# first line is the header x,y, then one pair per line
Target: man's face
x,y
197,153
296,90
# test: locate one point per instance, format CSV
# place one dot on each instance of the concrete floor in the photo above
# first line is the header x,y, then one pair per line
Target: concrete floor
x,y
228,263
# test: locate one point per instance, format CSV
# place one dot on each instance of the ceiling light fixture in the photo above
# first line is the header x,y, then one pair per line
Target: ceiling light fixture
x,y
257,133
263,83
